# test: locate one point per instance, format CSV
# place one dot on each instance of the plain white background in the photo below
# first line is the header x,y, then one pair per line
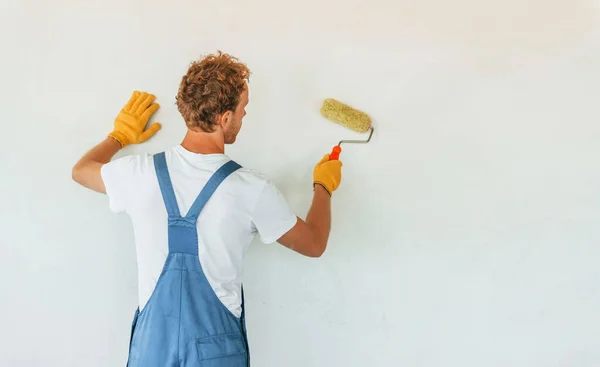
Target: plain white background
x,y
465,234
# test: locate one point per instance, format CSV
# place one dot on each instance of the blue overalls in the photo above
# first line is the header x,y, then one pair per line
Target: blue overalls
x,y
184,323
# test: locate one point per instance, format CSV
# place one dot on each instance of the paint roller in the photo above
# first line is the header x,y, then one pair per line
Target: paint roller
x,y
349,117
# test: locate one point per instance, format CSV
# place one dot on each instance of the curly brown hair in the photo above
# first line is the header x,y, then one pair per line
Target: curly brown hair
x,y
210,87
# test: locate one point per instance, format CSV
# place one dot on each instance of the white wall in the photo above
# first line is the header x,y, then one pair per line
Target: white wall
x,y
466,234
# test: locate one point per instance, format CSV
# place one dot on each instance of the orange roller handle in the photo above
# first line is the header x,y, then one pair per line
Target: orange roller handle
x,y
335,153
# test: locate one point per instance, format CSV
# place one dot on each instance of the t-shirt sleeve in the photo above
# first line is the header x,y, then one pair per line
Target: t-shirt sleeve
x,y
272,216
119,179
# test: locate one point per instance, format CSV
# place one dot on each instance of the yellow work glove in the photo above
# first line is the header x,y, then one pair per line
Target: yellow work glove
x,y
131,121
328,173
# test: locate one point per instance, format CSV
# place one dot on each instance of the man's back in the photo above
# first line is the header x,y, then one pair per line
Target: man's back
x,y
245,204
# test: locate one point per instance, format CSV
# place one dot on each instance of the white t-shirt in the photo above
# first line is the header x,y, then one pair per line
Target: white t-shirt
x,y
245,204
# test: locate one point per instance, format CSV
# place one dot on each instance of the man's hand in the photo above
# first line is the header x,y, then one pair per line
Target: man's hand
x,y
328,173
131,121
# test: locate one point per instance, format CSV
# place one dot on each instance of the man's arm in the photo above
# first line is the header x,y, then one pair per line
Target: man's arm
x,y
310,237
128,129
86,172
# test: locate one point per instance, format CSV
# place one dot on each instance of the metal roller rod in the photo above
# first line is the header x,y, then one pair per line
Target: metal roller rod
x,y
359,141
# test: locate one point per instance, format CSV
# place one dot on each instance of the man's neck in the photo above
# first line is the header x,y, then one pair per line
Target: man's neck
x,y
204,143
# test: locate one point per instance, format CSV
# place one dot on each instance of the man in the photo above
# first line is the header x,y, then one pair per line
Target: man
x,y
194,212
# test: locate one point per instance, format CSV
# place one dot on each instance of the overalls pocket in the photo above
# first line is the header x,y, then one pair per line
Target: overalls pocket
x,y
224,350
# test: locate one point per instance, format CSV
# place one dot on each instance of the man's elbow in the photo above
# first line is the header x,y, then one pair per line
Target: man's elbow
x,y
88,174
305,239
80,173
76,173
318,244
317,250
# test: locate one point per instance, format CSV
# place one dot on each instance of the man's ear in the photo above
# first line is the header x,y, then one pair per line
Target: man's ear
x,y
225,118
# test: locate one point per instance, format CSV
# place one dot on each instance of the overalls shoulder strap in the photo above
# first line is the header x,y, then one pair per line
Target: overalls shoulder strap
x,y
166,186
183,236
210,187
168,194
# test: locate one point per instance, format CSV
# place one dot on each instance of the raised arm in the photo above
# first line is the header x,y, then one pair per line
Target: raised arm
x,y
310,237
128,129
